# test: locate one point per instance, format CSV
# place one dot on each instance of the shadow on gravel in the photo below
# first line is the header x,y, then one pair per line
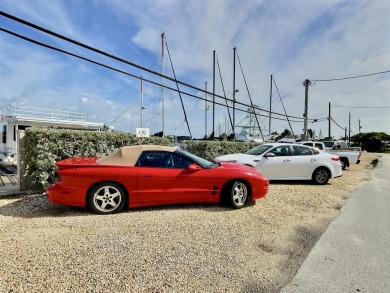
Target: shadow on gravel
x,y
294,256
299,182
375,163
37,206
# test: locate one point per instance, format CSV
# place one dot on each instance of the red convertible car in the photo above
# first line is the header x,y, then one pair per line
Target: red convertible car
x,y
146,175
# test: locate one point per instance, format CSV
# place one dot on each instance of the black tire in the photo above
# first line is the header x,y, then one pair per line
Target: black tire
x,y
106,198
344,163
321,176
238,194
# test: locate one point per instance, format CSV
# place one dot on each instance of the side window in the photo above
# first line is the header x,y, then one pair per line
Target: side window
x,y
4,133
155,159
319,146
280,151
19,127
180,162
161,159
301,151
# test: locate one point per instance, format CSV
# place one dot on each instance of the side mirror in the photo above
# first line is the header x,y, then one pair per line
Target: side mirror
x,y
194,167
269,155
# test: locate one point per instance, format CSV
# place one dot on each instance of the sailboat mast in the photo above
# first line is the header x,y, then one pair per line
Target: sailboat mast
x,y
142,104
270,106
234,94
162,87
213,130
205,113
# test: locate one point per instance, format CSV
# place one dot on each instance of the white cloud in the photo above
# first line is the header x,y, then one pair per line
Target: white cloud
x,y
293,40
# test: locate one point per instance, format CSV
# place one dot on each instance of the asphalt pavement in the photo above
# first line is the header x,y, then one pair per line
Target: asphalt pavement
x,y
353,255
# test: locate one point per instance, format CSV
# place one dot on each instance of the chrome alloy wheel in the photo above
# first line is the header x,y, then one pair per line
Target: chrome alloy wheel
x,y
239,194
107,198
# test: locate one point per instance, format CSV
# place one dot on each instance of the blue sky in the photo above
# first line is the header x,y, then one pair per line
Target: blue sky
x,y
292,40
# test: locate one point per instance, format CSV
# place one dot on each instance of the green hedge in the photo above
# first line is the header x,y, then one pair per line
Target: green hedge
x,y
45,146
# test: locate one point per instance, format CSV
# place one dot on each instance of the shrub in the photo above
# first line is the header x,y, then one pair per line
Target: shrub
x,y
45,146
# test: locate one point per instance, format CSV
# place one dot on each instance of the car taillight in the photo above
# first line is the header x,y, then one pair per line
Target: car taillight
x,y
335,158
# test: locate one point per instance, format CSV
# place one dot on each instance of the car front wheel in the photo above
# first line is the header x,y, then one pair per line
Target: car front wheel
x,y
106,198
321,176
238,194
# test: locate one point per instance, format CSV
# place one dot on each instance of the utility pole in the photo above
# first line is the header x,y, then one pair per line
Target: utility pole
x,y
345,133
360,127
205,113
329,122
349,136
270,104
306,84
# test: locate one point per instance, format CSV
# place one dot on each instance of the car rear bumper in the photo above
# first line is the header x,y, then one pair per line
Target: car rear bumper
x,y
66,195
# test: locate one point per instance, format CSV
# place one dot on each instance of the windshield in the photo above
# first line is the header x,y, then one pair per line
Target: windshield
x,y
259,150
329,144
198,160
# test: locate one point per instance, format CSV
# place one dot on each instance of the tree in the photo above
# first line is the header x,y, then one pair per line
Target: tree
x,y
372,141
285,133
311,133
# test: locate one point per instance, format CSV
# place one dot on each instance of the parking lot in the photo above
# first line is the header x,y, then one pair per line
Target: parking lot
x,y
181,248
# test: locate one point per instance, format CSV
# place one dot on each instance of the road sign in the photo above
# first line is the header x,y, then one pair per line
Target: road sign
x,y
142,132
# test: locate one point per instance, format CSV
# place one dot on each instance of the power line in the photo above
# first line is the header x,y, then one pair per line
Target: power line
x,y
337,123
130,74
121,60
47,31
357,107
359,76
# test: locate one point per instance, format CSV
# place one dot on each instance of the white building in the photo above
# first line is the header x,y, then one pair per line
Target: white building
x,y
16,118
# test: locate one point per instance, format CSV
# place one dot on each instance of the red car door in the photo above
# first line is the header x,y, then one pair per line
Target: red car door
x,y
164,177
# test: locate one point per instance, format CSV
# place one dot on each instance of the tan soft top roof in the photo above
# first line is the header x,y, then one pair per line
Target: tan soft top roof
x,y
128,155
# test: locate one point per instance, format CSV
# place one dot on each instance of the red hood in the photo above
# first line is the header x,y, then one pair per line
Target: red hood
x,y
234,166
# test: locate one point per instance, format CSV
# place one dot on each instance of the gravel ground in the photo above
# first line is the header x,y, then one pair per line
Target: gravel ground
x,y
182,248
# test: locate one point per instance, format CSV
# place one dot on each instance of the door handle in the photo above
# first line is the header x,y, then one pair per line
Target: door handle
x,y
146,175
286,160
313,160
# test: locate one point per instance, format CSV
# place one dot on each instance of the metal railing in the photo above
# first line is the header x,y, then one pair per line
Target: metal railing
x,y
32,112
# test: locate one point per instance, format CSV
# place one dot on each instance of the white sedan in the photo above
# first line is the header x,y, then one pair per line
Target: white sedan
x,y
283,161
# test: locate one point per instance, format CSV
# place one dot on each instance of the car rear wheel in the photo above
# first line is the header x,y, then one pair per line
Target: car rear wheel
x,y
106,198
343,164
321,176
238,194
